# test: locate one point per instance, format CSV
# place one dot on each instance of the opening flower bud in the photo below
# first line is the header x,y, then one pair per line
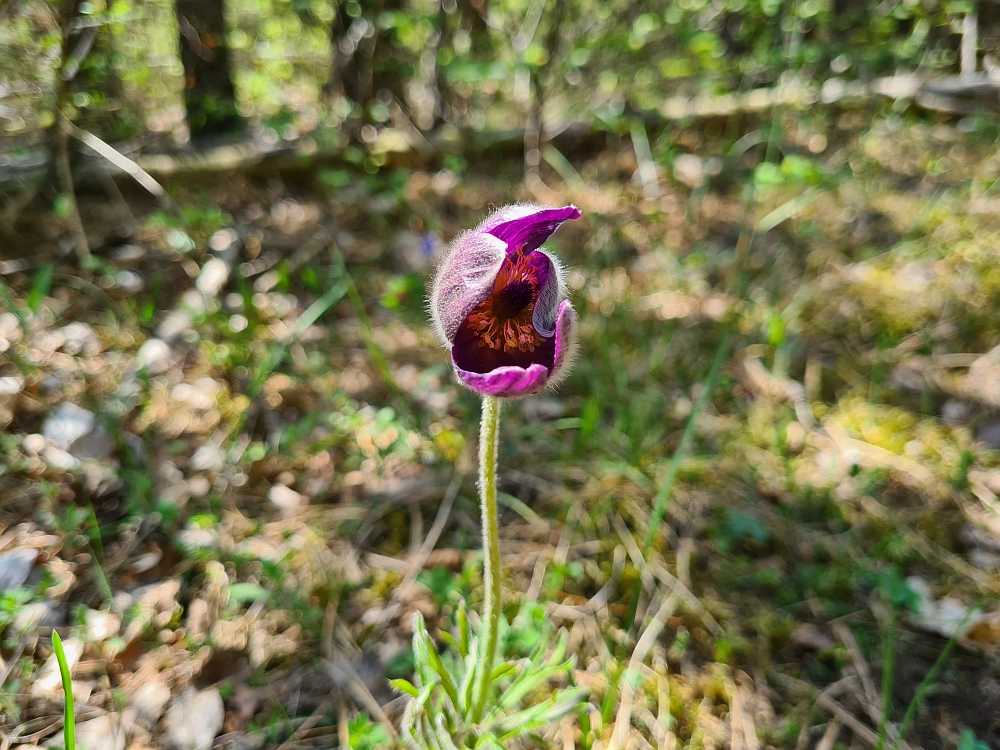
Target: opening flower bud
x,y
498,302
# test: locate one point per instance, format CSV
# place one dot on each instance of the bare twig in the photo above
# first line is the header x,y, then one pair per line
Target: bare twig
x,y
123,163
872,699
970,36
619,737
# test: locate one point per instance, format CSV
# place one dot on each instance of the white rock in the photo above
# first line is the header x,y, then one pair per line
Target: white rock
x,y
33,443
154,355
196,538
103,733
209,457
198,486
174,325
193,721
58,458
214,275
11,385
66,424
30,615
223,240
149,701
129,282
126,253
689,170
48,682
285,498
10,326
79,338
101,625
15,567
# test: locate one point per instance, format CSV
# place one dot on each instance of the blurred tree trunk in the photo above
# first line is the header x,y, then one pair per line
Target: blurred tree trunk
x,y
208,87
358,48
58,133
351,39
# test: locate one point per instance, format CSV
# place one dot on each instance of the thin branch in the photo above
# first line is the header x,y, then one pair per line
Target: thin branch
x,y
123,163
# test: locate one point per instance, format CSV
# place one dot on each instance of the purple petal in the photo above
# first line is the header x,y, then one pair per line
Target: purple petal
x,y
464,279
550,292
511,381
508,382
529,230
565,342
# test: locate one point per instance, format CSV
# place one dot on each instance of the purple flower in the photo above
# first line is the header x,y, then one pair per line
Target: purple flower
x,y
498,303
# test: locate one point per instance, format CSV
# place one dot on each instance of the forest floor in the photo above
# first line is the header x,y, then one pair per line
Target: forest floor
x,y
228,443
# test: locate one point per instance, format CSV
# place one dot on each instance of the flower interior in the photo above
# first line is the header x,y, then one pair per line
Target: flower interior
x,y
500,331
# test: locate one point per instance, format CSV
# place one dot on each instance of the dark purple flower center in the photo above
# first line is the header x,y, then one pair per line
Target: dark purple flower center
x,y
499,331
514,297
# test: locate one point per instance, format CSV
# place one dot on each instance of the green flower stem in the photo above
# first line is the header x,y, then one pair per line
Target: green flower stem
x,y
69,713
489,438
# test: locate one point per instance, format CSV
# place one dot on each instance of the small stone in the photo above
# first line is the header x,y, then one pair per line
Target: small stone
x,y
33,443
955,412
688,170
193,721
59,459
150,700
11,385
79,338
66,424
285,498
129,282
175,324
196,538
30,615
223,240
213,277
101,625
154,355
15,567
989,434
127,253
147,561
209,457
103,733
198,486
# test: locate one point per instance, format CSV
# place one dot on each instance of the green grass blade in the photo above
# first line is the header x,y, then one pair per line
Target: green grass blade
x,y
69,712
931,676
41,284
663,496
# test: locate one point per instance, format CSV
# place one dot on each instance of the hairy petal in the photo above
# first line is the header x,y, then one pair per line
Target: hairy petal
x,y
565,343
508,382
551,291
464,279
530,230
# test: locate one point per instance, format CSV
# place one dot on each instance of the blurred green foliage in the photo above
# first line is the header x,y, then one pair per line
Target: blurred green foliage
x,y
592,58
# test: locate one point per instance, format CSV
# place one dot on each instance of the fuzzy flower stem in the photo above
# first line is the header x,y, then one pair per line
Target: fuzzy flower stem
x,y
489,437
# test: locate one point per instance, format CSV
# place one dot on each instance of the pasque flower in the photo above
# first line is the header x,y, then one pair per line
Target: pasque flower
x,y
498,302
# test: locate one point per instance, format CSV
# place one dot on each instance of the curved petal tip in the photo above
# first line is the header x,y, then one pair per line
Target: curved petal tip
x,y
530,226
506,382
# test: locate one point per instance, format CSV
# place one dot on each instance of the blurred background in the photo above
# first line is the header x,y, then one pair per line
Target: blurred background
x,y
234,461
